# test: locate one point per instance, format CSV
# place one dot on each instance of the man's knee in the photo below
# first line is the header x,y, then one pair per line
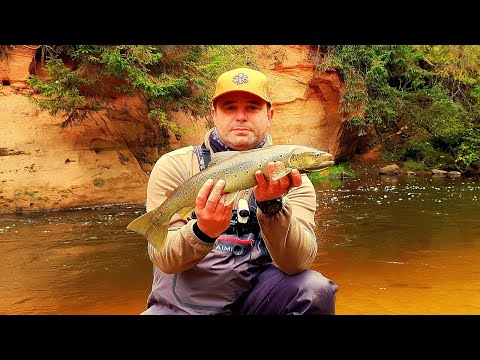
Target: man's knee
x,y
317,283
162,309
314,289
277,293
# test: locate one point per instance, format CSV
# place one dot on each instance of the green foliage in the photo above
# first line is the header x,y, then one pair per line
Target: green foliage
x,y
333,174
468,152
62,93
433,91
417,151
414,165
82,79
376,78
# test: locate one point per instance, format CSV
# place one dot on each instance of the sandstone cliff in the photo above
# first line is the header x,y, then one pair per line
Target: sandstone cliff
x,y
106,159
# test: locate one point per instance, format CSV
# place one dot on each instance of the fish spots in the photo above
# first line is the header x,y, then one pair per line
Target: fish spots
x,y
230,165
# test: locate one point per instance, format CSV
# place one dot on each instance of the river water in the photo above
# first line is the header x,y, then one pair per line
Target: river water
x,y
394,245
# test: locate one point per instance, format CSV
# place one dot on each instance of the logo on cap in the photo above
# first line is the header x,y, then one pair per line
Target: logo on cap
x,y
240,78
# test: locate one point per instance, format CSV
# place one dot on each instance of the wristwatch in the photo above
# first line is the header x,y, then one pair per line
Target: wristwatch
x,y
270,207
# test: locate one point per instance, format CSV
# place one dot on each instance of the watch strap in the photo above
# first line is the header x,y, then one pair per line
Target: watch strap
x,y
270,207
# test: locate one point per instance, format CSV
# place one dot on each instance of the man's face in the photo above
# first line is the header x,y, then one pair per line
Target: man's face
x,y
241,119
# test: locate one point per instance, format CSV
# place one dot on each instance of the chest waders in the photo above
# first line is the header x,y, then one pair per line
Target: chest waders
x,y
238,277
225,274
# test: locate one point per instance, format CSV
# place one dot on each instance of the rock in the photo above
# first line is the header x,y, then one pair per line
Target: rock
x,y
438,172
15,67
392,169
21,87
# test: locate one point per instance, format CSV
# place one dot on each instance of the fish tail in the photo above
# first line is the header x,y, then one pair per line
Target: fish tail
x,y
155,231
141,224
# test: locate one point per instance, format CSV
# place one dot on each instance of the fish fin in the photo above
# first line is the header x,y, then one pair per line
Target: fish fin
x,y
280,170
153,227
142,223
230,197
186,211
158,237
156,233
218,157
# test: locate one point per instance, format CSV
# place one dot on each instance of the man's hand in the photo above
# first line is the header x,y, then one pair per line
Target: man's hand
x,y
213,217
269,190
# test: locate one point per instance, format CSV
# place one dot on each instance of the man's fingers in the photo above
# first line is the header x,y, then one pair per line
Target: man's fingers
x,y
202,195
214,197
284,182
260,177
271,170
296,178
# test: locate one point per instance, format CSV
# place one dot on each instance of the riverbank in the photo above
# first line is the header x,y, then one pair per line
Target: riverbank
x,y
106,157
46,167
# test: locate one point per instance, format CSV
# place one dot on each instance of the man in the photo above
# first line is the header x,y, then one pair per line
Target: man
x,y
225,261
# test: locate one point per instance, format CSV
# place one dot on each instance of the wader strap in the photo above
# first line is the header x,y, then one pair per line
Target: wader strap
x,y
203,156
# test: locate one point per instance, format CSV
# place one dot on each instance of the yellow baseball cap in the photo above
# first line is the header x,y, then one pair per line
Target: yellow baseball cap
x,y
243,79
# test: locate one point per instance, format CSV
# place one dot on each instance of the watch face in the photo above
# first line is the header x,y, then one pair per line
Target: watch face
x,y
274,207
270,207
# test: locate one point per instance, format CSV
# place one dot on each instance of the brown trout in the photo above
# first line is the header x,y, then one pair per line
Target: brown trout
x,y
238,169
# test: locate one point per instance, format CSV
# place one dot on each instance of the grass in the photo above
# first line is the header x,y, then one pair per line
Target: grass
x,y
332,174
414,165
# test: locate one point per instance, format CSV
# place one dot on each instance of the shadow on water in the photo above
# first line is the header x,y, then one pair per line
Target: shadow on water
x,y
404,245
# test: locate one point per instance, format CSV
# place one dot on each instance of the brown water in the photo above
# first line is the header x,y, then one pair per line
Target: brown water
x,y
393,245
407,245
73,262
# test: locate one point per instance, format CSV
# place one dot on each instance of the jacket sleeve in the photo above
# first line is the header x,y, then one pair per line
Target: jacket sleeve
x,y
290,234
183,249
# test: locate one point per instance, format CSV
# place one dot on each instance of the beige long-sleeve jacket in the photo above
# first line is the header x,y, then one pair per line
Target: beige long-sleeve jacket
x,y
289,235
